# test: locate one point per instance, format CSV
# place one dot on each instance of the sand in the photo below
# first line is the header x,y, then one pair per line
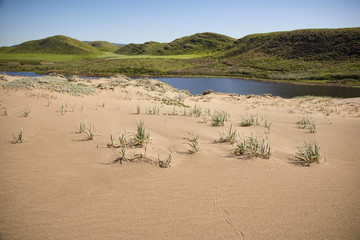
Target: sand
x,y
57,185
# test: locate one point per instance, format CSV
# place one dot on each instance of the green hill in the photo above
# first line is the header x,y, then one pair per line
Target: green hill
x,y
200,43
56,45
309,44
148,48
5,49
103,46
197,43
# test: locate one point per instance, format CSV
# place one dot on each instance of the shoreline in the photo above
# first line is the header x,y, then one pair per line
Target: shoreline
x,y
292,82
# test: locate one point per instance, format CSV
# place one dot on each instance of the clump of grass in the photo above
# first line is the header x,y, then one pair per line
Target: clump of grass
x,y
312,127
26,112
18,138
219,118
308,154
307,122
154,111
122,155
90,132
193,143
112,142
230,135
196,111
137,109
241,147
252,147
268,126
165,163
123,139
63,109
5,112
141,136
82,127
250,121
265,149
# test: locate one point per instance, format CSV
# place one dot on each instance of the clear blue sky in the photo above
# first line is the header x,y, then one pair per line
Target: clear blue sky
x,y
138,21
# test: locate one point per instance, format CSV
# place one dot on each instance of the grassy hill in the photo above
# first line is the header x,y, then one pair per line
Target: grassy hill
x,y
308,44
56,45
148,48
198,43
103,46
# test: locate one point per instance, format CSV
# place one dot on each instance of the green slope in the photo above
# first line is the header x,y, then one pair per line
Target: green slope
x,y
103,46
200,43
309,44
203,43
148,48
56,45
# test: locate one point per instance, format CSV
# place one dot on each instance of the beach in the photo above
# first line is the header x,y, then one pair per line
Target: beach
x,y
59,184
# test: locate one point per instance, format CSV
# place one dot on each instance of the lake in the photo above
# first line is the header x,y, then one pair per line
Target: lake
x,y
242,86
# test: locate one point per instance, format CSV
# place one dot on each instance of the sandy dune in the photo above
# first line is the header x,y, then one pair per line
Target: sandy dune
x,y
57,185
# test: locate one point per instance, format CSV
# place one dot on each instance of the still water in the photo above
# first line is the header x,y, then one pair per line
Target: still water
x,y
242,86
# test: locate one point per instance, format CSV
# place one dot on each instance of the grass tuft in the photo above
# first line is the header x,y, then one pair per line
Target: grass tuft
x,y
308,154
193,143
165,163
219,118
18,138
90,132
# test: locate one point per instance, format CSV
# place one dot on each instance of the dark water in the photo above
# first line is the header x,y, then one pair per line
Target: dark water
x,y
242,86
23,74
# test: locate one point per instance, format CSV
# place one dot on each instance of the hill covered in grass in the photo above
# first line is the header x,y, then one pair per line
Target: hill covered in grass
x,y
308,44
200,43
56,45
148,48
103,46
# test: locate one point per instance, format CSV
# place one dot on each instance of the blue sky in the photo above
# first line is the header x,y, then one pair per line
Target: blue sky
x,y
138,21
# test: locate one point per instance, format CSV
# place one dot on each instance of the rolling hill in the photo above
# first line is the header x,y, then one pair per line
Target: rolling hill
x,y
200,43
56,45
148,48
103,46
308,44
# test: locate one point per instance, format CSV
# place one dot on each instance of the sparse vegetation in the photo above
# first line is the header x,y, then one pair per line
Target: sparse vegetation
x,y
230,135
26,112
18,138
165,163
307,122
82,127
141,136
193,143
137,109
308,154
219,118
252,147
252,120
90,132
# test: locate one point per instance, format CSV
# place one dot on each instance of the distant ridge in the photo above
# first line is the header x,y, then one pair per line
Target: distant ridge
x,y
56,45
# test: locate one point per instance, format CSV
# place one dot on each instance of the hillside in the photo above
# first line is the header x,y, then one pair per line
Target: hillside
x,y
309,44
148,48
197,43
56,45
200,43
103,46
